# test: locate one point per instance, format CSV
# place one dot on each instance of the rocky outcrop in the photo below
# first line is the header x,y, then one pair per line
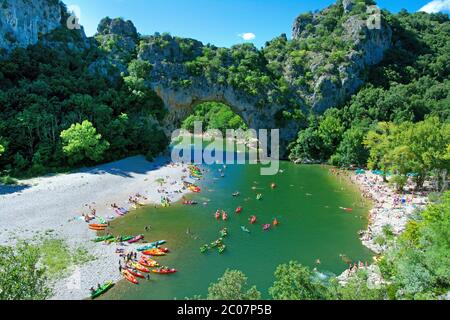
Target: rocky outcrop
x,y
333,84
22,22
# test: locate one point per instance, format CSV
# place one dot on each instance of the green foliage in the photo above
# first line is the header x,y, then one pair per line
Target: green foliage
x,y
21,277
418,148
357,288
214,115
232,286
295,282
57,257
82,142
418,264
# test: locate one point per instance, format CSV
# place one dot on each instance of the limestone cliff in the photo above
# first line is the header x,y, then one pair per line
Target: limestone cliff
x,y
22,22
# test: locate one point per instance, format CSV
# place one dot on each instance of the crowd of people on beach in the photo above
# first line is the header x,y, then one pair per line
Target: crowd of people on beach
x,y
390,208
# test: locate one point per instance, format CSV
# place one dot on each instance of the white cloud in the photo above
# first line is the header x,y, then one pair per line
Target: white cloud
x,y
247,36
436,6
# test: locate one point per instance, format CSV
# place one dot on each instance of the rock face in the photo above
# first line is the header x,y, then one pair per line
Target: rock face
x,y
23,21
369,43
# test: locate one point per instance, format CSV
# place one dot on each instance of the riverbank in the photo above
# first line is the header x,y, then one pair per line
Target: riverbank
x,y
55,204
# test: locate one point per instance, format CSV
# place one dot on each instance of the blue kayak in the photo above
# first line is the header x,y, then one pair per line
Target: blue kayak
x,y
151,245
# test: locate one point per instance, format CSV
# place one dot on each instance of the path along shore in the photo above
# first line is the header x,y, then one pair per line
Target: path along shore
x,y
56,203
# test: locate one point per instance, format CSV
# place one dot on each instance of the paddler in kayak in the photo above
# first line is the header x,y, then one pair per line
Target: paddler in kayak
x,y
224,216
275,222
217,215
253,220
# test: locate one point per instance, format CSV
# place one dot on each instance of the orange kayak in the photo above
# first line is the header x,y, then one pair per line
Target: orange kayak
x,y
275,223
127,275
97,228
154,252
98,225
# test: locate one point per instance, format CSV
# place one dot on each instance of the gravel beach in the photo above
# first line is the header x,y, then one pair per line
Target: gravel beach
x,y
56,203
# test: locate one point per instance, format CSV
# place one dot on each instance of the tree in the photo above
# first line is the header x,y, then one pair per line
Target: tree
x,y
21,278
351,151
2,149
232,286
356,288
296,282
81,142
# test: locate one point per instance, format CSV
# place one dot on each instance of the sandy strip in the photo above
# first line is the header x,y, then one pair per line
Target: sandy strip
x,y
57,202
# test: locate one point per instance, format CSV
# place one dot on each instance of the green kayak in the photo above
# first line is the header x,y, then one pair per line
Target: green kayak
x,y
102,289
105,238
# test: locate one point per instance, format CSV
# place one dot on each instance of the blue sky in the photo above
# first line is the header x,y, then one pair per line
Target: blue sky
x,y
220,22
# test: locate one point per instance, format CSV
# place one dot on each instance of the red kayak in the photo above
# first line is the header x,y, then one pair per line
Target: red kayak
x,y
164,271
275,222
224,216
266,227
135,273
253,220
239,210
217,215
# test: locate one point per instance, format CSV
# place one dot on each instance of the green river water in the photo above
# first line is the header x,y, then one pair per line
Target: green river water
x,y
306,202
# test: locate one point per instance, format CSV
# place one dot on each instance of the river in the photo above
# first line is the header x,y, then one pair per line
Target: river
x,y
306,202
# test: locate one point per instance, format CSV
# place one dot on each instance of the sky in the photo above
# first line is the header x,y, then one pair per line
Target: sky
x,y
220,22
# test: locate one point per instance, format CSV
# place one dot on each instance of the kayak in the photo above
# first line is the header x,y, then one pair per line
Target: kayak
x,y
224,232
245,229
119,213
105,238
195,189
154,252
102,289
135,273
126,238
101,220
164,271
148,263
204,248
127,275
97,228
275,223
151,245
273,186
98,225
253,220
190,203
266,227
217,215
140,267
224,216
136,239
239,210
222,248
259,197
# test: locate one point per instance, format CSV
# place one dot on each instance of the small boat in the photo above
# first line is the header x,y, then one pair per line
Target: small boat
x,y
245,229
253,220
239,210
275,222
164,271
151,245
347,209
266,227
195,189
126,238
222,248
224,232
154,252
149,263
224,216
105,238
97,293
190,203
217,215
135,273
101,220
140,267
236,194
204,248
118,212
98,225
97,228
259,196
273,186
136,239
127,275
